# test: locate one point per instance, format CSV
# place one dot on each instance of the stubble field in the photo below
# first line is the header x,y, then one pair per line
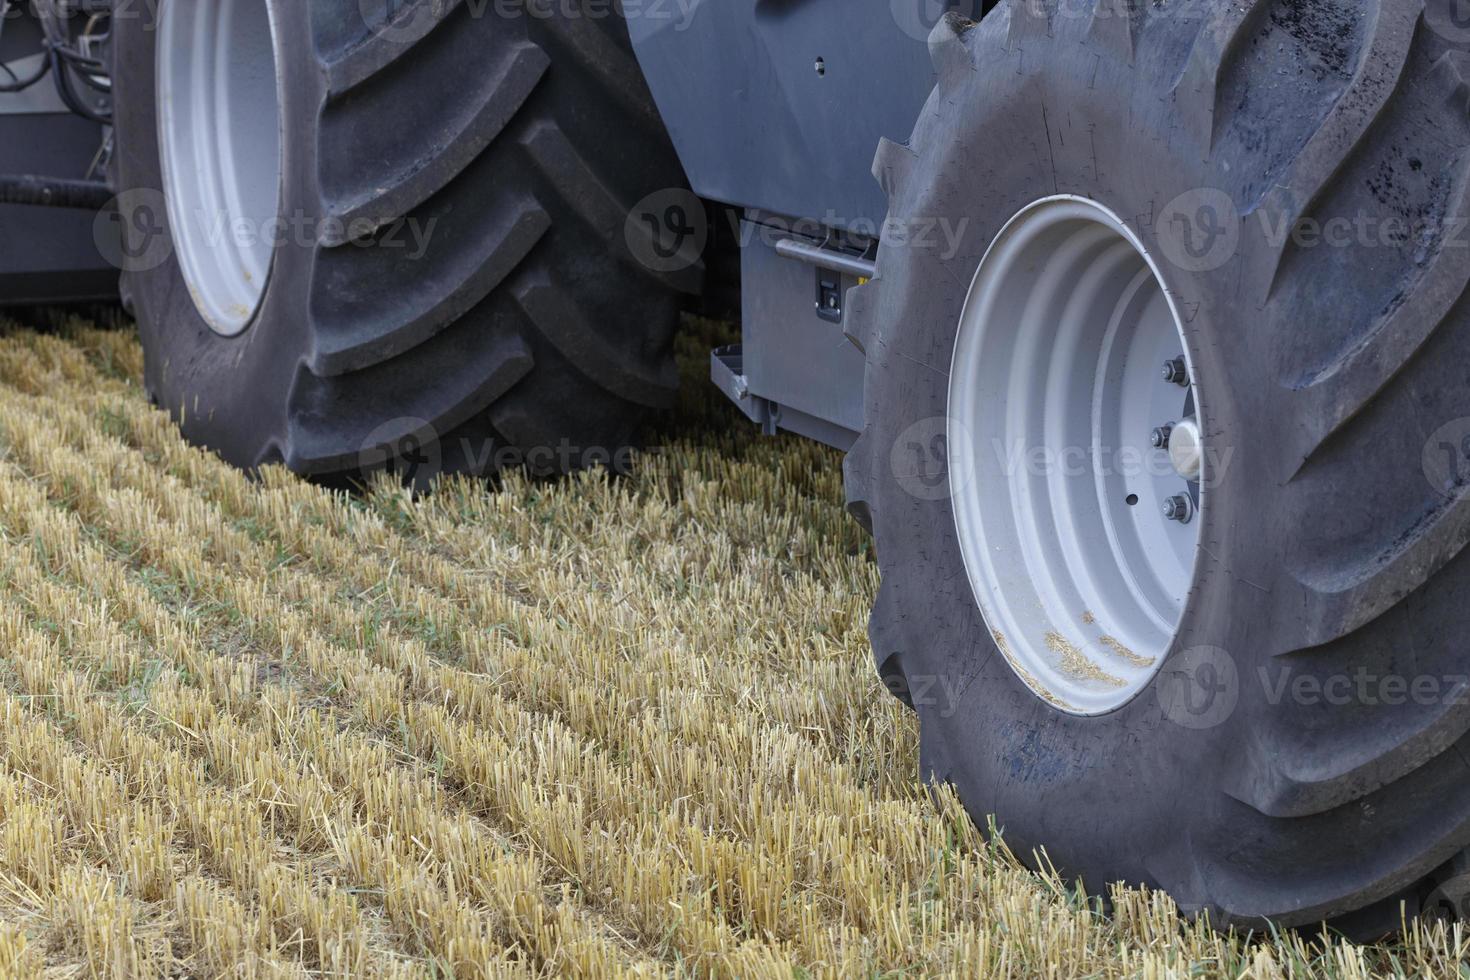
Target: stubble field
x,y
579,727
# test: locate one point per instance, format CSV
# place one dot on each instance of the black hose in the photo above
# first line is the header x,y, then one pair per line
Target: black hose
x,y
60,67
54,192
21,84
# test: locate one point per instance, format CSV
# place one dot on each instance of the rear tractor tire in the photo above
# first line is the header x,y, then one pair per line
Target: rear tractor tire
x,y
356,242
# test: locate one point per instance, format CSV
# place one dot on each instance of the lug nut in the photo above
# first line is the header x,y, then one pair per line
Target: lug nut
x,y
1176,372
1159,439
1179,508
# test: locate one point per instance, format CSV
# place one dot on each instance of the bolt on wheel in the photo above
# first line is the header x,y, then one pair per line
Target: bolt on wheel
x,y
1079,515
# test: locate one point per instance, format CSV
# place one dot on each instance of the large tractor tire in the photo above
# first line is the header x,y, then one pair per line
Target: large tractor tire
x,y
1225,659
367,231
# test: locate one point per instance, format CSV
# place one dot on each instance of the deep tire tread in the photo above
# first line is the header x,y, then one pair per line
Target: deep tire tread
x,y
1377,576
556,316
611,65
507,229
376,121
324,439
1379,83
1197,90
350,67
366,314
412,137
1116,25
565,168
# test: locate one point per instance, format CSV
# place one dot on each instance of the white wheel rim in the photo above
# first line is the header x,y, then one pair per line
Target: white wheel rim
x,y
219,137
1055,388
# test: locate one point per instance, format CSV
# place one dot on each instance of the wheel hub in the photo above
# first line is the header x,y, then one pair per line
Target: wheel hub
x,y
1186,454
1080,522
219,137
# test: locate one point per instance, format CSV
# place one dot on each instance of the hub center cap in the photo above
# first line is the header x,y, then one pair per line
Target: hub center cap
x,y
1185,453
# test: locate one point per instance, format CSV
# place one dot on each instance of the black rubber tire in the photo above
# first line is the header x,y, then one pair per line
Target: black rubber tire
x,y
1332,543
528,331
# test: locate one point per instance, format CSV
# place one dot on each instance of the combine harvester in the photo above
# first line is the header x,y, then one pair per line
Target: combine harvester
x,y
1149,347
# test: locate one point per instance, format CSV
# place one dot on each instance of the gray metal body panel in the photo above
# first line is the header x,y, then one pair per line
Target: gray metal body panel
x,y
46,254
727,367
50,254
755,125
795,357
